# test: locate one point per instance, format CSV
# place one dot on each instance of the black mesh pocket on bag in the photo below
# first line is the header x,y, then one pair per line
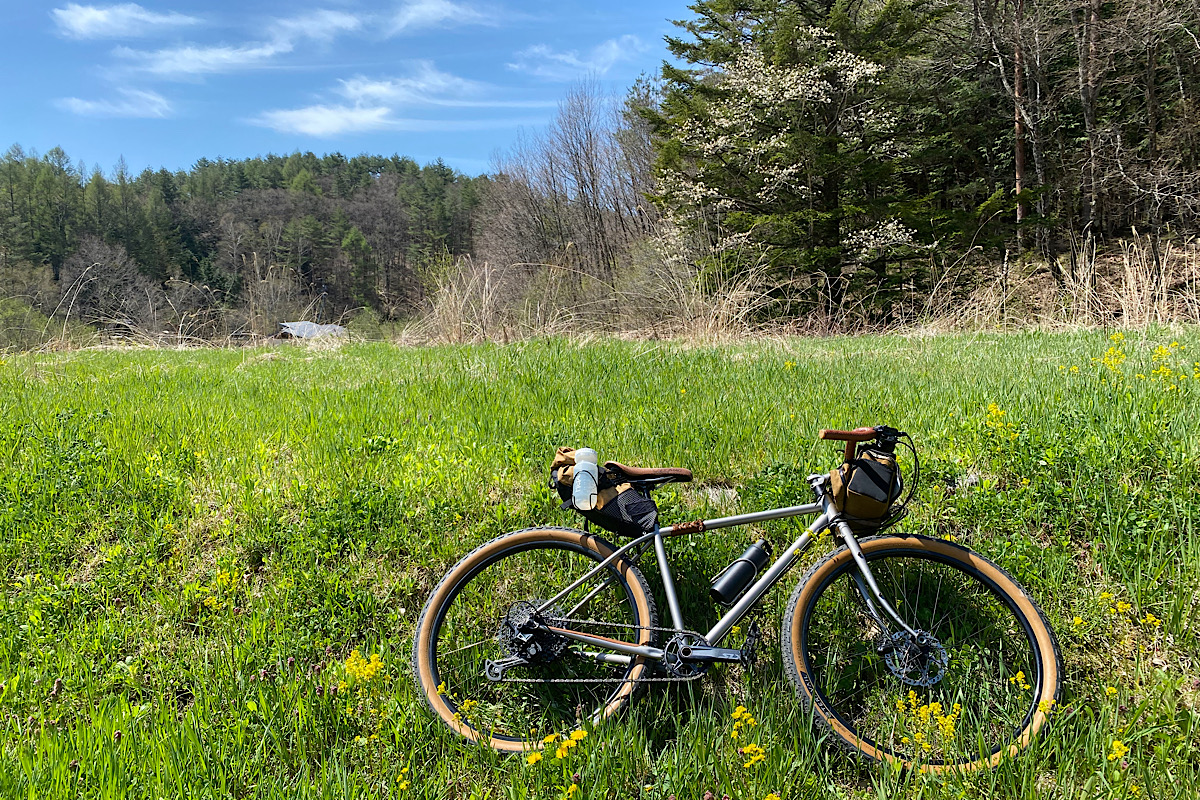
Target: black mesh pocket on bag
x,y
627,514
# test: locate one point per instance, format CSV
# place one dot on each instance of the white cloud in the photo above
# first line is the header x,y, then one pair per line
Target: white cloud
x,y
552,65
376,104
426,84
417,14
320,26
323,120
126,20
190,60
327,121
133,103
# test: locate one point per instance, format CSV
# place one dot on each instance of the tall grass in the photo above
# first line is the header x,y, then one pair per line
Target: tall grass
x,y
194,542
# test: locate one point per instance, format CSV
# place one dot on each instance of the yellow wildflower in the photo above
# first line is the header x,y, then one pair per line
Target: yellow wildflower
x,y
361,669
1112,359
772,796
1151,620
550,738
1110,690
578,735
533,758
1077,621
947,723
1019,680
1046,706
571,790
1118,750
755,753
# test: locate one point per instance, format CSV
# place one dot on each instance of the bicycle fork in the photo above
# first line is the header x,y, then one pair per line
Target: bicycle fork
x,y
869,590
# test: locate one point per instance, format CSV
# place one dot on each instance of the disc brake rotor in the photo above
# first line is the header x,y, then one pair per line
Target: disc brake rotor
x,y
917,663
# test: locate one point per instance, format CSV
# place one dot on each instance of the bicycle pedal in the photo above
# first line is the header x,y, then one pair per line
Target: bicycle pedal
x,y
750,646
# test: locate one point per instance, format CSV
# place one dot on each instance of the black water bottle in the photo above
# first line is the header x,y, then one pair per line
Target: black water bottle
x,y
734,579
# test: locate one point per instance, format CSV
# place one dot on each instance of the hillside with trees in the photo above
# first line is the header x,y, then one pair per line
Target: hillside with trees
x,y
844,161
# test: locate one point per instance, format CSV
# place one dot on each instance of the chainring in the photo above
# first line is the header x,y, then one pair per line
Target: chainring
x,y
673,661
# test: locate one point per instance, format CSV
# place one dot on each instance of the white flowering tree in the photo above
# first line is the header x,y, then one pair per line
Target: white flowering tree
x,y
781,136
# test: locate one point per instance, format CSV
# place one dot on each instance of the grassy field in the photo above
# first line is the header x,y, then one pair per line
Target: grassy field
x,y
195,543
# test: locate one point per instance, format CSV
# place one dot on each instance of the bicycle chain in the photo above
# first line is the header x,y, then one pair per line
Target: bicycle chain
x,y
671,631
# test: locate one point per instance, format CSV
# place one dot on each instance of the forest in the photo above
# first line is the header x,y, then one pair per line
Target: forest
x,y
826,164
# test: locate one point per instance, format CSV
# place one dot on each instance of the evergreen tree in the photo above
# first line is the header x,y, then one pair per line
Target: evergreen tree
x,y
782,136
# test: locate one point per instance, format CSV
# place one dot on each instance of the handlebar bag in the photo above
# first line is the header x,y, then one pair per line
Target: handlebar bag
x,y
865,488
620,508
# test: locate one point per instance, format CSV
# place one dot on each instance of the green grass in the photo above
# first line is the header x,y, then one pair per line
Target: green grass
x,y
185,534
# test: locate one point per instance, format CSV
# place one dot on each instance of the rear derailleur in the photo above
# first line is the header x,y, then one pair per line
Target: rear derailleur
x,y
525,639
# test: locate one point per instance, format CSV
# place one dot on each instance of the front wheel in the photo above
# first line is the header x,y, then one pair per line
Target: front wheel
x,y
473,622
977,686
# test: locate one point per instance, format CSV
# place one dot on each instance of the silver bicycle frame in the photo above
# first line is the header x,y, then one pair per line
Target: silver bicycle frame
x,y
827,517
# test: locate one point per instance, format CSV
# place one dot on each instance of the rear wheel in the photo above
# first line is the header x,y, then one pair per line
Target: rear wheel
x,y
472,620
976,684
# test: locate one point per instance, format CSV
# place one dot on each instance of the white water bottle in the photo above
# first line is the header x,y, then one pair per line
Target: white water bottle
x,y
584,486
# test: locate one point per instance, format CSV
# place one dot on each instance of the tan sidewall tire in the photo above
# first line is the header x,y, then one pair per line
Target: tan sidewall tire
x,y
422,660
1047,645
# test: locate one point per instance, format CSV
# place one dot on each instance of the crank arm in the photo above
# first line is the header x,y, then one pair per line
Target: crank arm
x,y
701,653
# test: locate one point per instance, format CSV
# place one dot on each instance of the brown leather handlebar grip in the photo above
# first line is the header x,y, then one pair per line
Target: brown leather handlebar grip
x,y
849,437
856,435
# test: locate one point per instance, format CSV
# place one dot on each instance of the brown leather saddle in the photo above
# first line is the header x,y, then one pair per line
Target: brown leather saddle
x,y
649,476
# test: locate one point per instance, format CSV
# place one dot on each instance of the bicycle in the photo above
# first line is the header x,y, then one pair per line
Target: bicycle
x,y
905,648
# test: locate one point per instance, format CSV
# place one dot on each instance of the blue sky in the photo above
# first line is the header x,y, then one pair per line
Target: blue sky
x,y
165,83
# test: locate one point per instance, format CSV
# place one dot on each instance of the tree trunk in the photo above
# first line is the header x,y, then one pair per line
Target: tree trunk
x,y
1089,108
1018,123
